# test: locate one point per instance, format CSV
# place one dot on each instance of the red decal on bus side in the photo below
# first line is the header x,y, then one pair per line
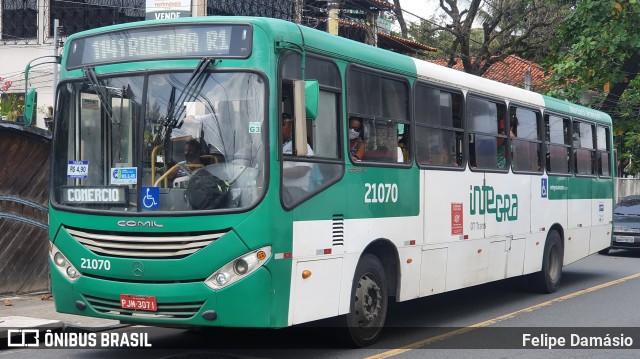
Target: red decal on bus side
x,y
456,219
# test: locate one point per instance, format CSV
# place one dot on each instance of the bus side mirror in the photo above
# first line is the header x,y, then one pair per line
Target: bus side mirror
x,y
311,98
300,118
30,106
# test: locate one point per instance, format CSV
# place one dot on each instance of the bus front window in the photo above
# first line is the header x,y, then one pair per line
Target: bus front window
x,y
171,147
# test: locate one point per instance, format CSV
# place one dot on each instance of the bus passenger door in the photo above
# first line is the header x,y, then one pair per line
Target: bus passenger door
x,y
317,216
508,222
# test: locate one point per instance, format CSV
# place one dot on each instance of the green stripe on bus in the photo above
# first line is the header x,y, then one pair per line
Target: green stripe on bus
x,y
579,188
570,109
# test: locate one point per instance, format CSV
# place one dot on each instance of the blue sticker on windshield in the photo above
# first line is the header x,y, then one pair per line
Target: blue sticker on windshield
x,y
150,197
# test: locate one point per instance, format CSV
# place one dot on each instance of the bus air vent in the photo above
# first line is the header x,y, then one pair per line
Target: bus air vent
x,y
338,230
141,245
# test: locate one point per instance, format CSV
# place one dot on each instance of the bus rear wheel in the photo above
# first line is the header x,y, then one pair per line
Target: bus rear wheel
x,y
548,279
369,302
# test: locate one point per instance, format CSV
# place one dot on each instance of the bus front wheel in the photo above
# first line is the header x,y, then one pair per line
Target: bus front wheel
x,y
369,301
548,279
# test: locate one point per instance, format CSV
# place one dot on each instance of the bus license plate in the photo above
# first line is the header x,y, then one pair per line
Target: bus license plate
x,y
138,302
625,239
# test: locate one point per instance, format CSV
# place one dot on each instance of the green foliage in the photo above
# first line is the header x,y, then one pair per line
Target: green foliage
x,y
594,42
595,61
11,106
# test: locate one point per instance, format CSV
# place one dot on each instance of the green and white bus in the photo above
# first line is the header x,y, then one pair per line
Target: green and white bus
x,y
173,204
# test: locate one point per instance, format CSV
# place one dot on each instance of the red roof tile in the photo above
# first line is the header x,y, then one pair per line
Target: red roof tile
x,y
510,71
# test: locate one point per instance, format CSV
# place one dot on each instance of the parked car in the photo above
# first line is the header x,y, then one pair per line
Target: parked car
x,y
626,224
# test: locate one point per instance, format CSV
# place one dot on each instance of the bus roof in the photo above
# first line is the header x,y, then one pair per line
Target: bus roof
x,y
323,43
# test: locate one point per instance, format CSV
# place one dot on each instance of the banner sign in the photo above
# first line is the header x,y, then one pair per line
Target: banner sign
x,y
167,9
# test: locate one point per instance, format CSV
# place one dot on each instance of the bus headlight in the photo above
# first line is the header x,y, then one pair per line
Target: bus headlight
x,y
238,268
59,259
62,263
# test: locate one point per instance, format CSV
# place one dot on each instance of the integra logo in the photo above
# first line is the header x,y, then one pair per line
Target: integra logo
x,y
140,224
483,199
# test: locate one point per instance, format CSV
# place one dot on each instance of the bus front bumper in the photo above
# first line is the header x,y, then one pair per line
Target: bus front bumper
x,y
246,303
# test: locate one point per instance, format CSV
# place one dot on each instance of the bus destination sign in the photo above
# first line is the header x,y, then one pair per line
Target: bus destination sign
x,y
161,42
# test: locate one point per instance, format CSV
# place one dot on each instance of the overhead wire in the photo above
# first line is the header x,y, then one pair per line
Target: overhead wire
x,y
307,7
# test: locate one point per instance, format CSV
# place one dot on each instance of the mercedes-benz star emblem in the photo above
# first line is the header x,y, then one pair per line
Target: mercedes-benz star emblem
x,y
137,268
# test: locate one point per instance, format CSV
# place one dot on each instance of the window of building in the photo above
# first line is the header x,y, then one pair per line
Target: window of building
x,y
603,152
584,152
487,134
19,20
80,15
558,141
526,143
439,129
381,103
269,8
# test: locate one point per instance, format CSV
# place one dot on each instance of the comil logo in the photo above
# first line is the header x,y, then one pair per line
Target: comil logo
x,y
140,224
23,338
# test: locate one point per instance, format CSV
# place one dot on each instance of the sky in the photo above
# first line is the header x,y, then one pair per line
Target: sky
x,y
422,8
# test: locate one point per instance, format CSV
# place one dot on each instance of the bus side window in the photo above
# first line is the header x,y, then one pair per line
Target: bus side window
x,y
558,144
487,134
526,144
439,127
583,148
604,152
381,101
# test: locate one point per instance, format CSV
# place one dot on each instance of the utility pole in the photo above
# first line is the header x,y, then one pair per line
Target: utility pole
x,y
334,16
56,24
371,28
527,79
297,11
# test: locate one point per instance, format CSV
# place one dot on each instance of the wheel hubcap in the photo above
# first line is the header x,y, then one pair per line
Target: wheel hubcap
x,y
368,301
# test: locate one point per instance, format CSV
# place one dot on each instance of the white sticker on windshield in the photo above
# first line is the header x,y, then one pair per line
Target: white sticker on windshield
x,y
255,127
124,175
78,169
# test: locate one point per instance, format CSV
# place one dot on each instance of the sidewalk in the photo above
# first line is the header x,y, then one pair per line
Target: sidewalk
x,y
38,311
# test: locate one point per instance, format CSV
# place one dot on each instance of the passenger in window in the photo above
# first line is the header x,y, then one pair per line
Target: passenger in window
x,y
502,143
296,174
356,143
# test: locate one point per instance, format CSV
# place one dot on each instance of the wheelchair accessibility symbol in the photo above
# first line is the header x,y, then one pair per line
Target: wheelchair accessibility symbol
x,y
150,197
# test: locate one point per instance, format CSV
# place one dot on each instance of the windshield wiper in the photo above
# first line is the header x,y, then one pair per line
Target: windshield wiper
x,y
90,74
175,109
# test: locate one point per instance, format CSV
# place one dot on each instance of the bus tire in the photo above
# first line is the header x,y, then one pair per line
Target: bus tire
x,y
604,251
369,302
548,279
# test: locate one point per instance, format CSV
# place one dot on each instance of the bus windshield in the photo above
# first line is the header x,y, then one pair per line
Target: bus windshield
x,y
161,142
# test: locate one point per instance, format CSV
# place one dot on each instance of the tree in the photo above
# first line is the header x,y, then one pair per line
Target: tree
x,y
596,61
397,10
597,56
509,27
